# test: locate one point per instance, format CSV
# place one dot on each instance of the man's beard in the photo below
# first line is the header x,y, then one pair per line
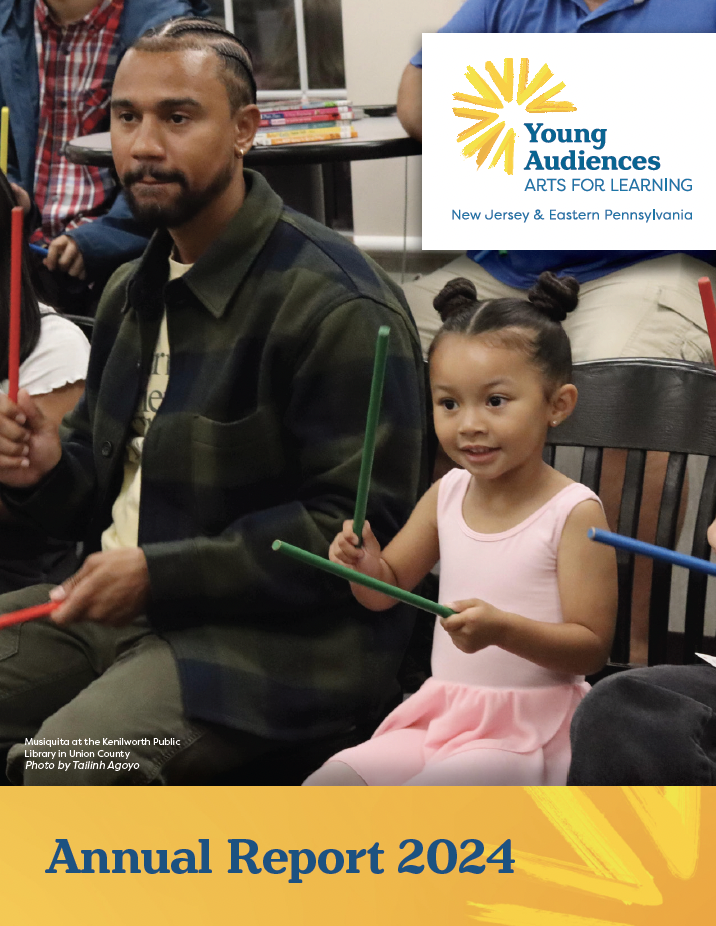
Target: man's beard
x,y
185,206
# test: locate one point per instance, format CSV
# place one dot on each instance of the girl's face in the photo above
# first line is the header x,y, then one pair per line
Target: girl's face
x,y
489,404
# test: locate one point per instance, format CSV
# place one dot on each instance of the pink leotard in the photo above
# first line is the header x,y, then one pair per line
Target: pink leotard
x,y
488,717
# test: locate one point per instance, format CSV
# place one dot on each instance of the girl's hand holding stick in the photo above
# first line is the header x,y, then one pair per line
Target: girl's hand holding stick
x,y
348,550
474,625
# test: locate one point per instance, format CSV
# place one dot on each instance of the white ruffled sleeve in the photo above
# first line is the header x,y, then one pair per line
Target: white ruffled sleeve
x,y
60,357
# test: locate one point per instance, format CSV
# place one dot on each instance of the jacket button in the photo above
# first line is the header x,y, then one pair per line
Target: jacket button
x,y
106,449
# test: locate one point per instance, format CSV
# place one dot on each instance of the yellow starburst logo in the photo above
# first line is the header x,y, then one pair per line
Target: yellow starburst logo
x,y
495,99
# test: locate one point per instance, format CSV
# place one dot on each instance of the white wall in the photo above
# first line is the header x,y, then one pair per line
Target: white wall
x,y
379,38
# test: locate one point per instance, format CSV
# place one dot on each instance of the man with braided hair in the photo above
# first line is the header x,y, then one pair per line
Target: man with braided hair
x,y
224,407
58,59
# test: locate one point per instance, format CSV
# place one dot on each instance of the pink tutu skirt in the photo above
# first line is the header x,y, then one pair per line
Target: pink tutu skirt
x,y
451,733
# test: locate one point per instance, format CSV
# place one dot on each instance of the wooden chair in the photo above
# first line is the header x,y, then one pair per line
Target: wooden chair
x,y
640,405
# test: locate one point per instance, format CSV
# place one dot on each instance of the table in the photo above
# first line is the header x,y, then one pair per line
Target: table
x,y
378,137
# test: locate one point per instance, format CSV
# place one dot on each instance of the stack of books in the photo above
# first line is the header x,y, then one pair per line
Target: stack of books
x,y
286,122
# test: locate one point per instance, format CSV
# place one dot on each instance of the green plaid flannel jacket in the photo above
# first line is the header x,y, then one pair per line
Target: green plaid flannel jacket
x,y
272,335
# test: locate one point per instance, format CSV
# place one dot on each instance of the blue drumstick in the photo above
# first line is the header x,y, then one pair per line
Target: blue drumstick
x,y
38,250
649,549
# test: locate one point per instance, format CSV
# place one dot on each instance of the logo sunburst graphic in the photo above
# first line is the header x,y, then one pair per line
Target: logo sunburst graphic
x,y
495,99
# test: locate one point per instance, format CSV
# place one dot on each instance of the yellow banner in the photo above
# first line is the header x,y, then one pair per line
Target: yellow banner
x,y
373,856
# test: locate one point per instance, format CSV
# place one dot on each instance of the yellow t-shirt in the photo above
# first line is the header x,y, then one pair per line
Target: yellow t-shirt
x,y
124,529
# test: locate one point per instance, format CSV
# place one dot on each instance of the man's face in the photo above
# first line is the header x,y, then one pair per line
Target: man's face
x,y
173,136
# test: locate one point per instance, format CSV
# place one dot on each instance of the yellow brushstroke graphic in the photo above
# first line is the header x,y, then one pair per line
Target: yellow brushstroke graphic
x,y
483,144
509,915
489,97
505,84
484,119
467,98
477,127
612,868
524,89
507,147
671,816
540,105
476,114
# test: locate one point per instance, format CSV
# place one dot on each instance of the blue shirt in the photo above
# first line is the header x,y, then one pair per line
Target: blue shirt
x,y
574,16
521,268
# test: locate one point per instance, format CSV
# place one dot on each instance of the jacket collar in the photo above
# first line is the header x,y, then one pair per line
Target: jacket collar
x,y
218,273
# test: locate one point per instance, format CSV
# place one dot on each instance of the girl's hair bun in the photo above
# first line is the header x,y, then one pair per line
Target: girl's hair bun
x,y
554,296
456,296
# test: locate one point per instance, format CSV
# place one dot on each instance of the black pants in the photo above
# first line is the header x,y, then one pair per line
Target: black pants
x,y
651,726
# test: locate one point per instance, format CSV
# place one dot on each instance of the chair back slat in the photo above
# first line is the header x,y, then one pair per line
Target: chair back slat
x,y
666,529
592,468
628,523
640,405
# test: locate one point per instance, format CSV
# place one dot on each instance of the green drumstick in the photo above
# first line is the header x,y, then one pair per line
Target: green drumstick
x,y
310,559
371,426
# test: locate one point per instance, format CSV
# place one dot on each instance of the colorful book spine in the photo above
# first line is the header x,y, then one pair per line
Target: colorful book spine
x,y
312,130
290,138
301,127
275,105
303,119
324,112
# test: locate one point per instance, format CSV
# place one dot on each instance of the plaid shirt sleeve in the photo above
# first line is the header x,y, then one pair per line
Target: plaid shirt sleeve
x,y
237,571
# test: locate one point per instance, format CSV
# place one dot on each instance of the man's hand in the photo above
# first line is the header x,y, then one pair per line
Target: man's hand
x,y
29,442
111,588
64,254
22,198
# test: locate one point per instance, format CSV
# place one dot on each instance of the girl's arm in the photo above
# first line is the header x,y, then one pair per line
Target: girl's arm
x,y
406,560
587,579
711,535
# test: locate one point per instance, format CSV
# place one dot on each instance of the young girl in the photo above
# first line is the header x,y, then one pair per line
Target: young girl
x,y
535,599
53,365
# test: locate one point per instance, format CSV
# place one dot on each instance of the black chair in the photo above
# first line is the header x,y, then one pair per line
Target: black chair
x,y
85,322
640,405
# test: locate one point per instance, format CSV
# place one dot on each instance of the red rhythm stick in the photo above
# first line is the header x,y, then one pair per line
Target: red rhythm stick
x,y
28,614
707,301
13,362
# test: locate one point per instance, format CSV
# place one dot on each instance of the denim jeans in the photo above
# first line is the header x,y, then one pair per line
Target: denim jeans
x,y
651,726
